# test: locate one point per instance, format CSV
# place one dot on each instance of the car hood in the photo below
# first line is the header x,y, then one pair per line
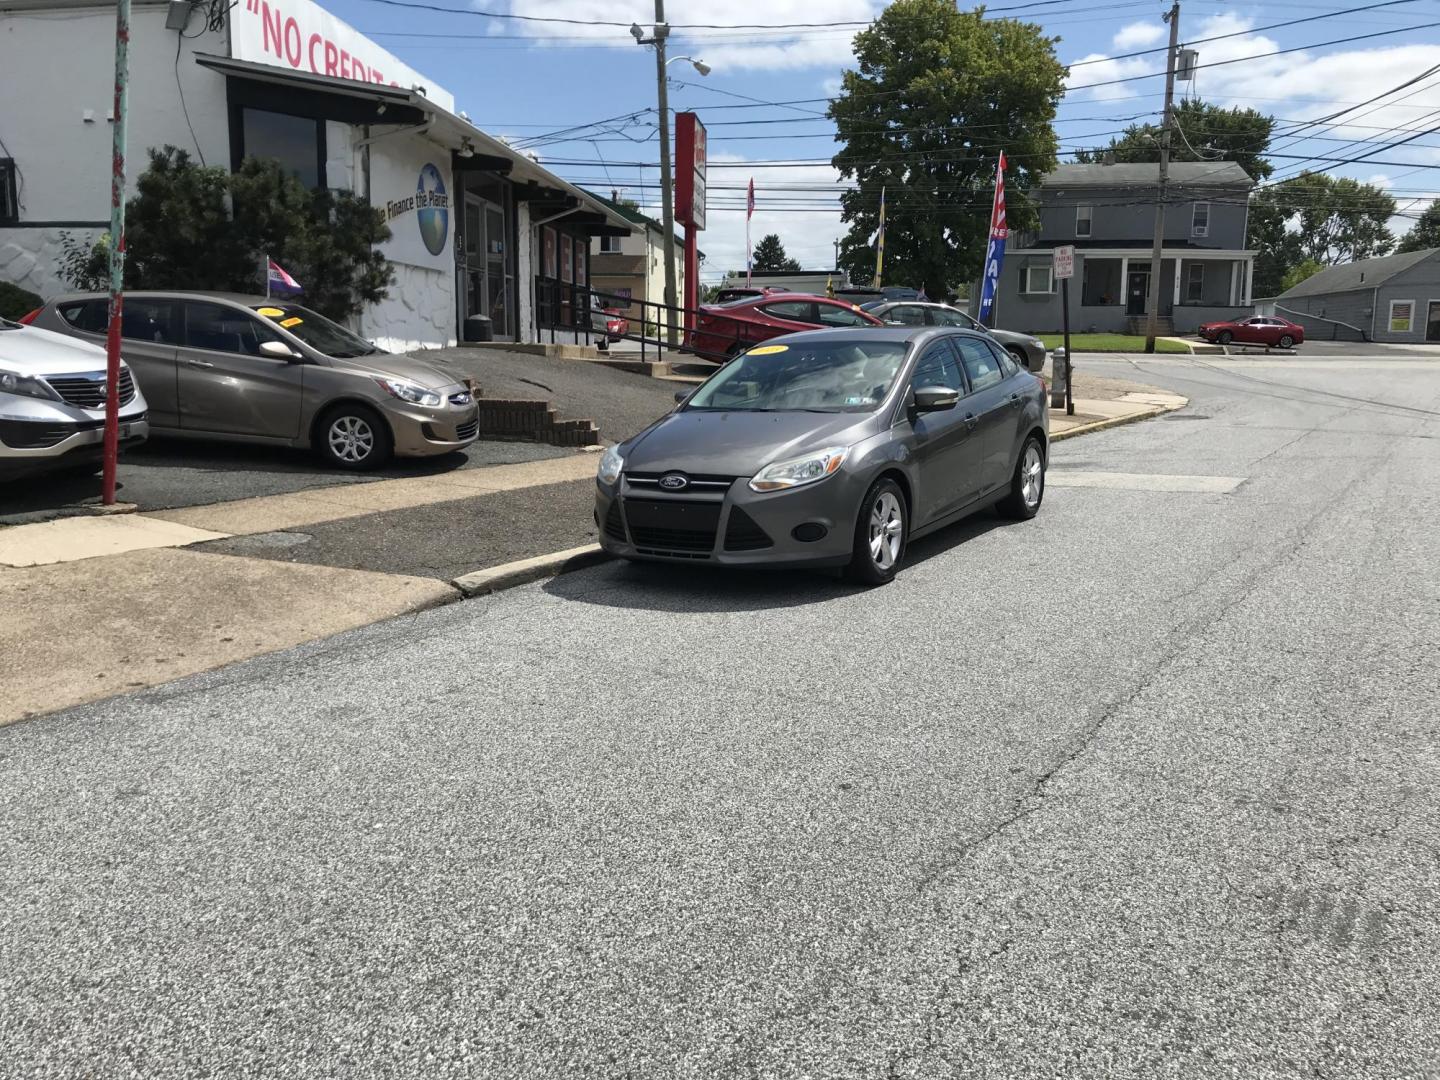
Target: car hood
x,y
401,366
738,443
35,351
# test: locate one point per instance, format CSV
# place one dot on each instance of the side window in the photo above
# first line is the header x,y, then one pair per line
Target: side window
x,y
795,310
905,315
87,315
149,320
223,329
937,366
982,365
838,315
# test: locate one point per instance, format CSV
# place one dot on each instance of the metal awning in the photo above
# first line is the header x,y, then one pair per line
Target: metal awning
x,y
354,102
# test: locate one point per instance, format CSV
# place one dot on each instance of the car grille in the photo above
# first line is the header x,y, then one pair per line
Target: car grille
x,y
743,534
673,525
28,435
698,482
87,390
614,524
467,430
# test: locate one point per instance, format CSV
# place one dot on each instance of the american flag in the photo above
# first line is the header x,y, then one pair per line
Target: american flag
x,y
995,249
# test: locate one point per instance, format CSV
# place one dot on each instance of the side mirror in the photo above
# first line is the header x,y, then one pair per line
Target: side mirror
x,y
278,350
682,396
935,398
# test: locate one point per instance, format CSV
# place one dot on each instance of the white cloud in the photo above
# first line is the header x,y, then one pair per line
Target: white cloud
x,y
1138,34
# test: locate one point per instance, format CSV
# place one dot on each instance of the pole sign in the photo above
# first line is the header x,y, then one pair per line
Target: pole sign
x,y
1064,262
690,170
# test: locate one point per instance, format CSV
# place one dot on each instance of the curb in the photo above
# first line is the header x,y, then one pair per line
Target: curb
x,y
524,571
1114,421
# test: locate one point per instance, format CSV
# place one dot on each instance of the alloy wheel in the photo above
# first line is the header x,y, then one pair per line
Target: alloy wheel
x,y
1032,476
887,530
351,439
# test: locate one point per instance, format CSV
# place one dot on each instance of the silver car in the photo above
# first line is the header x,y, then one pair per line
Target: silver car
x,y
830,448
52,402
250,369
1027,349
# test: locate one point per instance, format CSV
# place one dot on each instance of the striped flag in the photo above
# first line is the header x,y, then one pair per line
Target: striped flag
x,y
278,282
995,249
749,213
880,242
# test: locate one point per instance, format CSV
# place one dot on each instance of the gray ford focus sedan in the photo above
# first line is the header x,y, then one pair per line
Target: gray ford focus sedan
x,y
830,448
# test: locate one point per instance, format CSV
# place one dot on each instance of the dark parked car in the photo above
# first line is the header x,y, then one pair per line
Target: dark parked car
x,y
1269,330
1027,349
830,448
722,330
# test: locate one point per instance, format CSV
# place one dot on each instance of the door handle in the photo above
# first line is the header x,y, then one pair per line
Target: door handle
x,y
1014,399
199,363
970,421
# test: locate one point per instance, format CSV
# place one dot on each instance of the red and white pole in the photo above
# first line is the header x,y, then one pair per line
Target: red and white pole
x,y
117,254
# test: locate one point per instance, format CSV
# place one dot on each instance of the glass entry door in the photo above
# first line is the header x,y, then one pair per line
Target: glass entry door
x,y
489,284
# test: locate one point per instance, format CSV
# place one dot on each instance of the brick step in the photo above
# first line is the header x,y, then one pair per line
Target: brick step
x,y
532,421
1164,326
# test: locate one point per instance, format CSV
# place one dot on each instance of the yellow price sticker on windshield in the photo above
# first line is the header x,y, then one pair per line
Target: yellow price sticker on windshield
x,y
270,312
294,320
768,350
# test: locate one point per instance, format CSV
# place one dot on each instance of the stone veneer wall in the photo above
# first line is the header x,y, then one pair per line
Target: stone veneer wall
x,y
30,257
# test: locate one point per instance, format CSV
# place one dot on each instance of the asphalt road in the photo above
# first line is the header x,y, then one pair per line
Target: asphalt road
x,y
1147,787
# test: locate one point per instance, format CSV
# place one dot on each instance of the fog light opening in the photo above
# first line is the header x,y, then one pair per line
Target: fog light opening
x,y
809,532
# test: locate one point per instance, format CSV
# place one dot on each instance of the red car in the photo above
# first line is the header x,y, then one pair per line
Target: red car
x,y
1269,330
722,330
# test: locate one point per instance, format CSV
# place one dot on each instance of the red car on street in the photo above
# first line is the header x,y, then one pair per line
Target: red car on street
x,y
1268,330
722,330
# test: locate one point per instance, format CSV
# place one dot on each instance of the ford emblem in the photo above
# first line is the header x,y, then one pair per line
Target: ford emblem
x,y
674,482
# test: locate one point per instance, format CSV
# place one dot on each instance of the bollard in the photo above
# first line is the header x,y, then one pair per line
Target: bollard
x,y
1059,369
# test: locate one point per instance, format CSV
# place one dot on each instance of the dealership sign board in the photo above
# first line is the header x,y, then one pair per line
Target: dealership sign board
x,y
412,184
689,170
303,36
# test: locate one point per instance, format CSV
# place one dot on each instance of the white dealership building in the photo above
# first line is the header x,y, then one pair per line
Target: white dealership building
x,y
479,228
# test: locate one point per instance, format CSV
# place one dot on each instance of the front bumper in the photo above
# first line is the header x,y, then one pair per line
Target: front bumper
x,y
422,431
730,525
37,436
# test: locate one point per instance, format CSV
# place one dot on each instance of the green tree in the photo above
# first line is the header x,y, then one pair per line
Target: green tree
x,y
770,255
197,227
1203,132
1306,268
934,97
1331,219
1425,233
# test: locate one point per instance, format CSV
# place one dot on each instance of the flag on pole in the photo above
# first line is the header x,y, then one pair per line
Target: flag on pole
x,y
995,249
278,282
880,242
749,213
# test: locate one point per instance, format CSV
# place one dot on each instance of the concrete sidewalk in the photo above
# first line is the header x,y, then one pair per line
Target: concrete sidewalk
x,y
97,606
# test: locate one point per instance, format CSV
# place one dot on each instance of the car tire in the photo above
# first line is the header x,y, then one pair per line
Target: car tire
x,y
1018,355
1286,341
1224,337
1027,485
881,535
354,437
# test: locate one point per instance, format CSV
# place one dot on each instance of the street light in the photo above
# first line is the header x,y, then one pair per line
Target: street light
x,y
657,37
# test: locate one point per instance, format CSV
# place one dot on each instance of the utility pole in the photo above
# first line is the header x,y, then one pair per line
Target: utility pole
x,y
111,449
667,189
1152,304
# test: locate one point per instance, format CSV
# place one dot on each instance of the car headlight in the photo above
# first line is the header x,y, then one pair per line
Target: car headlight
x,y
779,475
611,463
13,382
1037,343
405,391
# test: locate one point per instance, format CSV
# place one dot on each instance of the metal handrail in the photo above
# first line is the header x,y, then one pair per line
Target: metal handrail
x,y
1321,318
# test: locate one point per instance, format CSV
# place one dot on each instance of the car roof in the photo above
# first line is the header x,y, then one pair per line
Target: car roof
x,y
903,334
919,303
247,299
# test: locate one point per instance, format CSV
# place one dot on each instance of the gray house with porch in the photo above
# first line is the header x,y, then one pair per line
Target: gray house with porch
x,y
1108,213
1395,298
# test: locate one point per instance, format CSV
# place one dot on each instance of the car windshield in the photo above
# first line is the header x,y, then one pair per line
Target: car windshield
x,y
846,375
318,332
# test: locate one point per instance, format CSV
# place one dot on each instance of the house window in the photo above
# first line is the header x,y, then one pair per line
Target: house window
x,y
296,142
609,245
1100,282
1084,217
1037,279
1402,316
1195,283
1200,220
9,202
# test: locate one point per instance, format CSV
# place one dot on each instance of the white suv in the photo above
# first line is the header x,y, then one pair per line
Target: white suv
x,y
52,402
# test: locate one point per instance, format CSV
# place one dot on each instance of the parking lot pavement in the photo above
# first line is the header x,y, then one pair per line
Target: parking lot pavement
x,y
164,474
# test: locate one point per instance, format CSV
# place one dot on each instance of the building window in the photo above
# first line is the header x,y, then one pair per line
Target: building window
x,y
296,142
1195,283
1037,279
609,245
9,201
1200,219
1402,316
1084,219
1100,282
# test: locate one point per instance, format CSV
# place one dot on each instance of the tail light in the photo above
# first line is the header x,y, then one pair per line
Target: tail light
x,y
29,316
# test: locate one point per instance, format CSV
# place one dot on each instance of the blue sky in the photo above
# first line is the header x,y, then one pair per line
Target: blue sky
x,y
525,79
